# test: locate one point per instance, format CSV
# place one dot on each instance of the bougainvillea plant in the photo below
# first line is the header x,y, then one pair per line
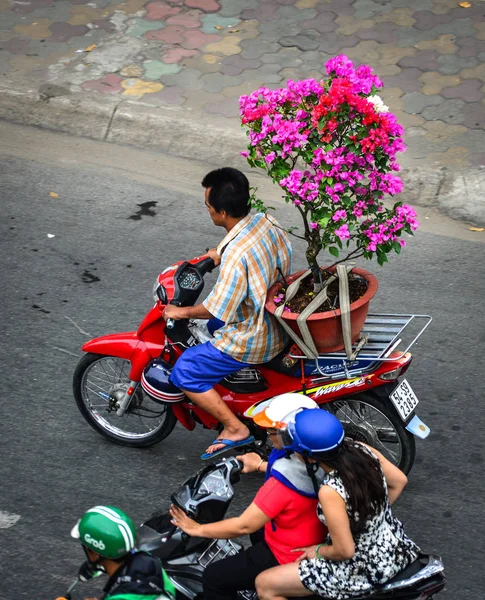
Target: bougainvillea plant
x,y
331,146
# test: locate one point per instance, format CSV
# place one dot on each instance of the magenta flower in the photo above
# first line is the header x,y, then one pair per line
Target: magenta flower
x,y
343,232
339,215
332,152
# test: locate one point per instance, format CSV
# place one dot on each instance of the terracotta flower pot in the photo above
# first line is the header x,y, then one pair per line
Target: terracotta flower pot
x,y
326,327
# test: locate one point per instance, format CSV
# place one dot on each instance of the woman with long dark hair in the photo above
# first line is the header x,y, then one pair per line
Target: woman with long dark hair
x,y
365,546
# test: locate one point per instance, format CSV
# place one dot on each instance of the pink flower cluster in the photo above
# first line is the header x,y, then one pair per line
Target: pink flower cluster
x,y
362,78
390,230
333,152
303,187
386,183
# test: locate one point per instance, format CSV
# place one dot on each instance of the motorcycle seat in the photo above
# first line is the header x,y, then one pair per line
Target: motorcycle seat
x,y
281,364
410,570
382,592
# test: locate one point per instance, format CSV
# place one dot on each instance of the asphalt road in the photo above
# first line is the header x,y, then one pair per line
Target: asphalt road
x,y
95,276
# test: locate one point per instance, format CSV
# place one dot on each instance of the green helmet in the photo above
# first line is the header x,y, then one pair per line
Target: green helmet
x,y
106,530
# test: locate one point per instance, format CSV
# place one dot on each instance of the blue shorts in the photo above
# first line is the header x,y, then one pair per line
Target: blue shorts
x,y
201,367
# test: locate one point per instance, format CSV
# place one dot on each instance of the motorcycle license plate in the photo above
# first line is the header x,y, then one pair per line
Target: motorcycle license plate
x,y
404,399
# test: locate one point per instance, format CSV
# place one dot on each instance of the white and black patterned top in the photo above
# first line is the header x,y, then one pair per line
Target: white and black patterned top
x,y
382,550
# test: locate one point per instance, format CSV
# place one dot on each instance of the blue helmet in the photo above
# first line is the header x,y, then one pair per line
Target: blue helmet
x,y
155,380
315,433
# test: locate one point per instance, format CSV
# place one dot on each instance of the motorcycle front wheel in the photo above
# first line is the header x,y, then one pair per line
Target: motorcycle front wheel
x,y
99,383
366,418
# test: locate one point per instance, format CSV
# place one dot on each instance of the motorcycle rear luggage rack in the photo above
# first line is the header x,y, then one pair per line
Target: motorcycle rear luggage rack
x,y
381,335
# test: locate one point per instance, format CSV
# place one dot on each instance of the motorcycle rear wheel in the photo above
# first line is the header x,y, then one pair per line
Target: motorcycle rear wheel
x,y
99,383
368,419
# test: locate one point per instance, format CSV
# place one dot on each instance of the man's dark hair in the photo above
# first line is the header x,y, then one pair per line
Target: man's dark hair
x,y
229,191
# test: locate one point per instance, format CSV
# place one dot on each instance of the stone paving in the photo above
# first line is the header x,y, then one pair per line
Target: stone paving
x,y
203,54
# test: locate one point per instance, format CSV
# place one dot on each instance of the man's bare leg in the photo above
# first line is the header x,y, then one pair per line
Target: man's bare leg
x,y
212,403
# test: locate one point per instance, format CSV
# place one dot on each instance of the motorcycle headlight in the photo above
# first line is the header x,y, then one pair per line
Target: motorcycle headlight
x,y
154,290
162,294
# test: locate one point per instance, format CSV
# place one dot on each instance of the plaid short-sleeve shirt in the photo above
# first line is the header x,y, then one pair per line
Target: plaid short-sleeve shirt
x,y
253,251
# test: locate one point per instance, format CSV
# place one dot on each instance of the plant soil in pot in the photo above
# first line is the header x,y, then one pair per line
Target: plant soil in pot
x,y
326,326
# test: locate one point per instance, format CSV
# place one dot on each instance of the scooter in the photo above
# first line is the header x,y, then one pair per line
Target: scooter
x,y
365,393
206,497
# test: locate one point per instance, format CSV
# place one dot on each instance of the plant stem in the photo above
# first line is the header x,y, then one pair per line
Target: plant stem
x,y
353,254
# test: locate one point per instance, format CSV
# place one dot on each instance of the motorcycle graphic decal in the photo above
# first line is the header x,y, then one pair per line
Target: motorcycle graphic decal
x,y
336,387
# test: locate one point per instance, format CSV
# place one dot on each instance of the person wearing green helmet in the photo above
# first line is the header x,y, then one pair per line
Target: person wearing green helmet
x,y
108,537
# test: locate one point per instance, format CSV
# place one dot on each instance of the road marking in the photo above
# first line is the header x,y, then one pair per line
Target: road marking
x,y
77,326
7,519
62,350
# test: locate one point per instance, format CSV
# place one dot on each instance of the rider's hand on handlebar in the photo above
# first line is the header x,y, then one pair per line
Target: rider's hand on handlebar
x,y
185,523
252,462
174,312
215,257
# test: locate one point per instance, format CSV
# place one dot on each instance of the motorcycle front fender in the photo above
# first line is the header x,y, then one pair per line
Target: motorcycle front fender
x,y
123,345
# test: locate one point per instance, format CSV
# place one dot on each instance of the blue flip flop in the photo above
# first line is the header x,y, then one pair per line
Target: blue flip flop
x,y
228,445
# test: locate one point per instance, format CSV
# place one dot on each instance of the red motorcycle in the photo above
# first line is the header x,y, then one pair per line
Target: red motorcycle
x,y
364,393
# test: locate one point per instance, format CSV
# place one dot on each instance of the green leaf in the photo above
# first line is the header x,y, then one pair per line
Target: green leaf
x,y
333,251
396,247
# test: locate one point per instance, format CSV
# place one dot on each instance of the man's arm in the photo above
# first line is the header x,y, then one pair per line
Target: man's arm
x,y
199,311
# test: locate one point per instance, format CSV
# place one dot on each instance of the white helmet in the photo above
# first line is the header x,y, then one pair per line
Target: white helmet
x,y
271,413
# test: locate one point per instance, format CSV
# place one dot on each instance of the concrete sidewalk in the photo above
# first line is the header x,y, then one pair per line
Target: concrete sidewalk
x,y
168,74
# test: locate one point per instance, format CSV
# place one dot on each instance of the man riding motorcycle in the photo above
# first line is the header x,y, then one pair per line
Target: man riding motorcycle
x,y
252,256
108,537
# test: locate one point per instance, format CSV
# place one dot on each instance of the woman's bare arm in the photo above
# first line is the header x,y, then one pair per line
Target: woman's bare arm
x,y
335,511
395,478
252,519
